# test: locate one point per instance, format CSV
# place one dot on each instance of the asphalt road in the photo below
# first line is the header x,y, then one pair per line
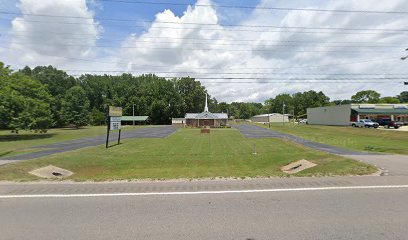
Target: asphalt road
x,y
148,132
308,212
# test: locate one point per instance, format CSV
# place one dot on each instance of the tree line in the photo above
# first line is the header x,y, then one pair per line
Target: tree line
x,y
45,97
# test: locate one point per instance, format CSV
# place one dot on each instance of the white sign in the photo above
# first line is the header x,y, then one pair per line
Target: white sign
x,y
115,123
115,119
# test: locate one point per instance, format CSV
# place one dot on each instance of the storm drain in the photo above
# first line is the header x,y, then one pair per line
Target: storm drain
x,y
297,166
51,172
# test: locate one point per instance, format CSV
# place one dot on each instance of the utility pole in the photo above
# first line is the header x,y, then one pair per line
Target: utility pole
x,y
133,108
403,58
283,113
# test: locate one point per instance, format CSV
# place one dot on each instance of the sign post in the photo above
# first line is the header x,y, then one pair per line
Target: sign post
x,y
114,122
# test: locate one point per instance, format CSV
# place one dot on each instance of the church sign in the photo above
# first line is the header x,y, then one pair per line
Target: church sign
x,y
114,111
114,116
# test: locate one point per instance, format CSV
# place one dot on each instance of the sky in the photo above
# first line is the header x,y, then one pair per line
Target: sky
x,y
240,50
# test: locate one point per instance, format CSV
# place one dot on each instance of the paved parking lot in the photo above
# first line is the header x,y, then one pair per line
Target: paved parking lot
x,y
390,164
149,132
253,131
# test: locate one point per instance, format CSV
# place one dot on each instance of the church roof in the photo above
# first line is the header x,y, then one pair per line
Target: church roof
x,y
206,115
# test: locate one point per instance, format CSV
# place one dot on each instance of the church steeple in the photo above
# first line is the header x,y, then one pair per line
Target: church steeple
x,y
206,104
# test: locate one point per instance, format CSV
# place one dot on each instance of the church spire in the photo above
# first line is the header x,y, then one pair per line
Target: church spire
x,y
206,104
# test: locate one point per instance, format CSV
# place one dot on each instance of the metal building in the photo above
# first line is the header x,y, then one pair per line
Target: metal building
x,y
342,115
271,117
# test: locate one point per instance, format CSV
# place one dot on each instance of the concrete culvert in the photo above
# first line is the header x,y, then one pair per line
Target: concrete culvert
x,y
297,166
51,172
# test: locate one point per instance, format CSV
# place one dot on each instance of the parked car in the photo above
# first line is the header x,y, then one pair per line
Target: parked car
x,y
387,123
365,123
303,121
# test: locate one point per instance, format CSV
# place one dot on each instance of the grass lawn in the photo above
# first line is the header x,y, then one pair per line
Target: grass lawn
x,y
363,139
13,144
188,154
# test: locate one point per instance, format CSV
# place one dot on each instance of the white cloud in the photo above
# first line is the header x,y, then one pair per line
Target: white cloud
x,y
179,57
38,40
222,48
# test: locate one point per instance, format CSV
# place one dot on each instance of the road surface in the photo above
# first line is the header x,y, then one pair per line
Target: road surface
x,y
148,132
308,208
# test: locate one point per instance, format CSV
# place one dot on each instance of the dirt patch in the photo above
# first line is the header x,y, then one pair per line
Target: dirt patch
x,y
297,166
51,172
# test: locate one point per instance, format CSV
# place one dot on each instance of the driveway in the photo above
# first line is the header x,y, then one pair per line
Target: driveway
x,y
149,132
254,131
390,164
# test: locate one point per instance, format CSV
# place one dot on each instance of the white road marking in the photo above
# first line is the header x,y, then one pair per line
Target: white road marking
x,y
198,192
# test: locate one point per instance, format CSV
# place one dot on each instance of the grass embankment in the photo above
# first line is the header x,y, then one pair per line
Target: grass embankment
x,y
188,154
13,144
363,139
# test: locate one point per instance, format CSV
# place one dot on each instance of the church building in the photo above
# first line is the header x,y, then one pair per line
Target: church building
x,y
206,118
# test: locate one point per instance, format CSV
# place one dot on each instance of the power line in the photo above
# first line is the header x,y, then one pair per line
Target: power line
x,y
237,73
304,82
129,63
281,28
195,23
300,79
90,71
233,44
207,49
217,80
260,7
190,38
269,79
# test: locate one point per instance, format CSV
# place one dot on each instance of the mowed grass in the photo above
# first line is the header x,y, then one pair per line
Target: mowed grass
x,y
13,144
363,139
188,154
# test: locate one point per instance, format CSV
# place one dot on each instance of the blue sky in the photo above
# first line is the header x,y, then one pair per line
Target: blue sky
x,y
278,51
143,13
147,12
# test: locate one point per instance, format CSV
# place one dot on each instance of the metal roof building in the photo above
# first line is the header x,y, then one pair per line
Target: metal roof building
x,y
270,117
342,115
206,118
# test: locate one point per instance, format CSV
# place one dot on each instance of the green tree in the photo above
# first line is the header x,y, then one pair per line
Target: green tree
x,y
159,112
75,107
309,99
24,102
389,100
341,102
57,83
192,95
367,96
403,97
98,118
275,105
